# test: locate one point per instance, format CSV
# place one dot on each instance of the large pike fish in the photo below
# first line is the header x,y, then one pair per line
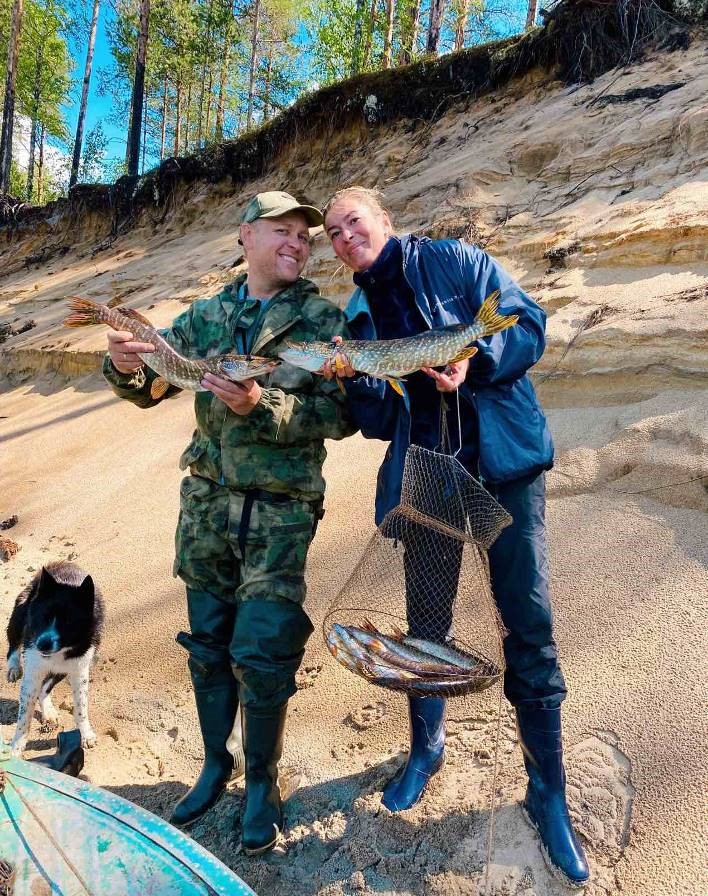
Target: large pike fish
x,y
171,367
392,359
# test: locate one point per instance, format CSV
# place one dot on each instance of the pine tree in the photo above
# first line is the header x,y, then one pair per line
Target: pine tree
x,y
78,140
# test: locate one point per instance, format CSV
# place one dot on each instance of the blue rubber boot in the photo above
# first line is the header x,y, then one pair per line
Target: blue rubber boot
x,y
545,806
427,754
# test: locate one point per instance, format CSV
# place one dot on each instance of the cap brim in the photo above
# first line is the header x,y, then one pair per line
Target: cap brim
x,y
313,215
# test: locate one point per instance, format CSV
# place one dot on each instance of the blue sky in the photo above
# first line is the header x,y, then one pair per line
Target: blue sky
x,y
99,107
510,19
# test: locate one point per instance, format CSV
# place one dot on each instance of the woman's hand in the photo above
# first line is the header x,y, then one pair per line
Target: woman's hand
x,y
123,351
340,367
241,398
451,378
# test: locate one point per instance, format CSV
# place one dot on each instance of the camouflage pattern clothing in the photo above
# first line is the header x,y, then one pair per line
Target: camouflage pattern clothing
x,y
279,445
249,508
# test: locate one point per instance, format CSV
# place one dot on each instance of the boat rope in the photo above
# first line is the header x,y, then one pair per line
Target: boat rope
x,y
51,838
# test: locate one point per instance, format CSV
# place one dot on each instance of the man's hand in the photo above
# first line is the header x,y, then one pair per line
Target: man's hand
x,y
123,351
451,378
342,367
241,397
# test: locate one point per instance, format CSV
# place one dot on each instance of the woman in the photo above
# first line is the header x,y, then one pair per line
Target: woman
x,y
406,285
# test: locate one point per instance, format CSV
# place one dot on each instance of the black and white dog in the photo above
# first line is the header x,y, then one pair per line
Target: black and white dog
x,y
56,625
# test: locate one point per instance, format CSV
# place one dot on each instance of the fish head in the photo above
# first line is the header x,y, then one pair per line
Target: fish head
x,y
307,355
242,367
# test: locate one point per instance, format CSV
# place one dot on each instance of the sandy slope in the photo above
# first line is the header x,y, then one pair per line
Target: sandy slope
x,y
531,169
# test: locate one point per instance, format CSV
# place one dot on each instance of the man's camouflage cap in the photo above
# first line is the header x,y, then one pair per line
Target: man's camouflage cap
x,y
273,204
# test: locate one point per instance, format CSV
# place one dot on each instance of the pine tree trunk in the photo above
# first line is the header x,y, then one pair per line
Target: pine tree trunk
x,y
178,117
437,10
37,89
79,139
187,116
163,129
202,90
210,99
369,35
388,38
8,109
410,22
358,33
461,23
30,166
40,167
254,63
531,14
132,156
145,127
224,76
221,105
266,96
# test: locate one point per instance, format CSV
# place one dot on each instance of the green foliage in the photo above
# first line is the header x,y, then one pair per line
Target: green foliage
x,y
44,66
18,180
91,169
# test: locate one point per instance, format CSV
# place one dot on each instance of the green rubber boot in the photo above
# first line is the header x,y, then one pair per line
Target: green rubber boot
x,y
216,697
262,821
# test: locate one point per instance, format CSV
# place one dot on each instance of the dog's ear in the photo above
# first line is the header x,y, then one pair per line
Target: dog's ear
x,y
87,590
46,580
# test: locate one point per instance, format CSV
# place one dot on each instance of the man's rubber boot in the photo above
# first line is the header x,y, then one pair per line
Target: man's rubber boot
x,y
545,806
69,755
216,696
427,753
262,820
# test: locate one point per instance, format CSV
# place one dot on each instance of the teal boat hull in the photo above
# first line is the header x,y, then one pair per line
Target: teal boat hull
x,y
61,835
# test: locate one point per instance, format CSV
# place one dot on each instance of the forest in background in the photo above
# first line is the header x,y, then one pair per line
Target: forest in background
x,y
186,74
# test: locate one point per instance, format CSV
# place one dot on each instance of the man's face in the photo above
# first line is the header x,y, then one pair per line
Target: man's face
x,y
277,249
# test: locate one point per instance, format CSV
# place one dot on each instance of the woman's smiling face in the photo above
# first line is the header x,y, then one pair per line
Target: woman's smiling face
x,y
358,232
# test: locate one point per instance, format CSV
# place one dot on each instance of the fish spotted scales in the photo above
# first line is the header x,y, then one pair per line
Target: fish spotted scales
x,y
392,359
170,365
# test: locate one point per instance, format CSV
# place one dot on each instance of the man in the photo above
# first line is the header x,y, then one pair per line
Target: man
x,y
251,503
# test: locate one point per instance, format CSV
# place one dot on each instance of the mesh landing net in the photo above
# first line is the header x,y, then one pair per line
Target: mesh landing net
x,y
423,584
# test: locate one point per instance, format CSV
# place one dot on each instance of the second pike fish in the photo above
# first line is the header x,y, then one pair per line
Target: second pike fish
x,y
171,367
392,359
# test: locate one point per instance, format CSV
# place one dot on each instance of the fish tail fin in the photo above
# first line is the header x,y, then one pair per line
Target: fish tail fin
x,y
464,354
488,316
84,313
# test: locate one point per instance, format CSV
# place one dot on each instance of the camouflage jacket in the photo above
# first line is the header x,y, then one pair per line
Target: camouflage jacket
x,y
279,446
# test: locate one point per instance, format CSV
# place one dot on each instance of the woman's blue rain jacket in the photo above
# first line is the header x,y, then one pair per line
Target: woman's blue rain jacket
x,y
450,280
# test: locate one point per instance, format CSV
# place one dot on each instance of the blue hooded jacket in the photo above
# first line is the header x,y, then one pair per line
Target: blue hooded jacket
x,y
450,280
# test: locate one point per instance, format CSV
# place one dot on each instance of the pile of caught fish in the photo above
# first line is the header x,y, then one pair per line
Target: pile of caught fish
x,y
403,663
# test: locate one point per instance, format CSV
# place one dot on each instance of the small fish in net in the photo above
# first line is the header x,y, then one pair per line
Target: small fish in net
x,y
417,614
414,665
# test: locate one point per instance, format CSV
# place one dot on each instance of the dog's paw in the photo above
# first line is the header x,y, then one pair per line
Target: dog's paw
x,y
18,746
50,722
14,673
89,738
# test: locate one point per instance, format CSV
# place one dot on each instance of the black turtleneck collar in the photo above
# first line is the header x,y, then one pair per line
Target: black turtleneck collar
x,y
385,269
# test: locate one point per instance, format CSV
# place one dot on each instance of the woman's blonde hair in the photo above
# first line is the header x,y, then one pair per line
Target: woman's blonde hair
x,y
370,197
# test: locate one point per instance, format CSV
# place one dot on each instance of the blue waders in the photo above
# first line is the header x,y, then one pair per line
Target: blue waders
x,y
533,681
